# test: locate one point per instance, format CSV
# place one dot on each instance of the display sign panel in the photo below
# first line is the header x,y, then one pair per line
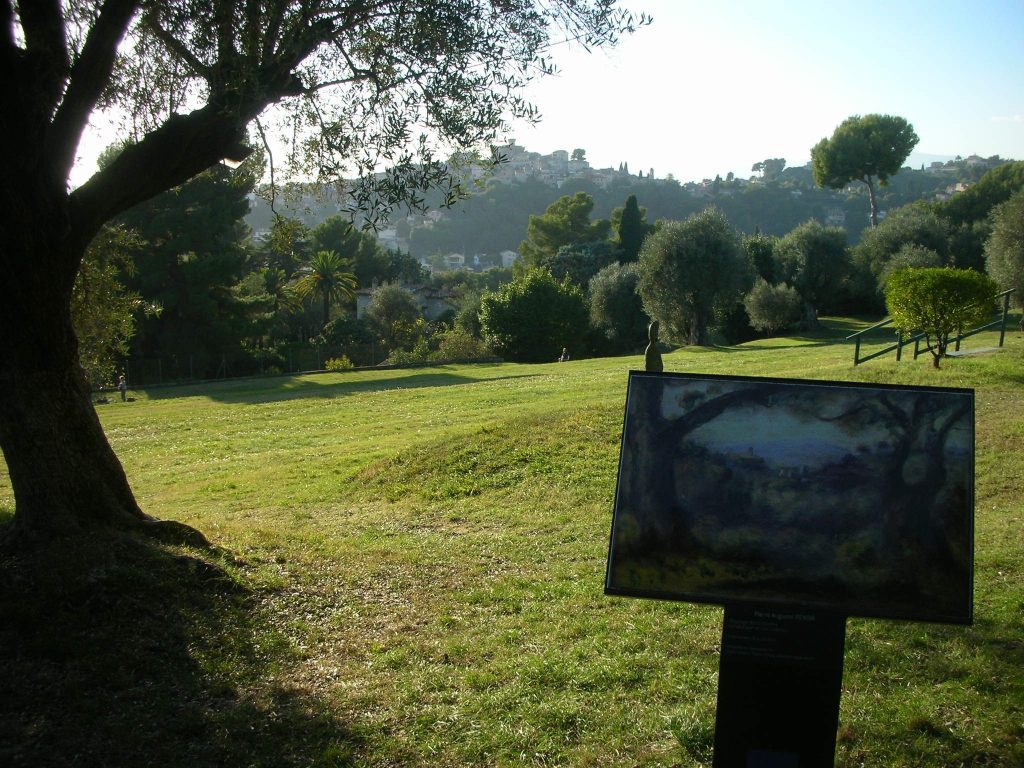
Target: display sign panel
x,y
852,498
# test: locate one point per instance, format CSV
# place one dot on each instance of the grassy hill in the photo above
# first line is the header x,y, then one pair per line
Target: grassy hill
x,y
407,569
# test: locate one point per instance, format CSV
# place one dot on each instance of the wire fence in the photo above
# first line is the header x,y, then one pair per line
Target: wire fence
x,y
290,358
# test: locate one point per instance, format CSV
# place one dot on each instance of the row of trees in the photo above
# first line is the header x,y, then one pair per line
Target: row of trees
x,y
772,281
700,274
591,285
178,279
694,276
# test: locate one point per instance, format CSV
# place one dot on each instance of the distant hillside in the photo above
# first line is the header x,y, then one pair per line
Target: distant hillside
x,y
495,218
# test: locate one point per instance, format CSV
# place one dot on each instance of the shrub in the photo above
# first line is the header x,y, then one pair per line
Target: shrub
x,y
772,307
532,318
467,319
939,302
456,345
339,364
415,356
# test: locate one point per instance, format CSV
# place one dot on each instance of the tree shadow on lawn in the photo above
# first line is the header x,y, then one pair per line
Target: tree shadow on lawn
x,y
257,391
753,346
801,342
899,669
118,651
832,331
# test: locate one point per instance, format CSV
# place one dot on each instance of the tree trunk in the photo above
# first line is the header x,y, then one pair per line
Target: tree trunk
x,y
809,319
63,471
698,335
941,345
871,200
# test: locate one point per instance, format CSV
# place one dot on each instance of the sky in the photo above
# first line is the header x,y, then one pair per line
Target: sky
x,y
714,86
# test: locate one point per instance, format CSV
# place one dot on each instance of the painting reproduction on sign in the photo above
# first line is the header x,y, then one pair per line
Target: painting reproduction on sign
x,y
850,498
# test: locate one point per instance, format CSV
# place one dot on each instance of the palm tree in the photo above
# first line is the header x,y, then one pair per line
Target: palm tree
x,y
327,277
277,287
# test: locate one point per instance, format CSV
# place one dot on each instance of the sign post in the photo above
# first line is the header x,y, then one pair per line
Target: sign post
x,y
779,683
793,504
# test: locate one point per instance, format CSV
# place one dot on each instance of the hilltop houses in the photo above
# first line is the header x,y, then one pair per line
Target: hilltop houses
x,y
516,163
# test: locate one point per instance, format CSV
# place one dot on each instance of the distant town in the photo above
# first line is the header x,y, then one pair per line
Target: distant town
x,y
772,199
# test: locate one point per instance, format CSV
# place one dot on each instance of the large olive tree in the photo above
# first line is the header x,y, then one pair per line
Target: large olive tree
x,y
814,260
690,272
355,80
1004,250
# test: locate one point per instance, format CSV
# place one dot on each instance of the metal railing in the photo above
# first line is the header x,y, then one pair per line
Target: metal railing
x,y
915,338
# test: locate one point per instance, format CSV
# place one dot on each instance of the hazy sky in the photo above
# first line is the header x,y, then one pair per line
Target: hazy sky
x,y
714,86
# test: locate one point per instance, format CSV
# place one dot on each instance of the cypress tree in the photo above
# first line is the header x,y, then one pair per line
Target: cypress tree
x,y
632,230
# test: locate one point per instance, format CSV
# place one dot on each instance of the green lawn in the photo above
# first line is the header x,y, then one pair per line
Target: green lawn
x,y
407,569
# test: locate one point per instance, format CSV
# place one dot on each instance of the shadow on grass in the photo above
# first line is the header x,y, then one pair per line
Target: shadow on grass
x,y
981,661
800,342
280,388
116,651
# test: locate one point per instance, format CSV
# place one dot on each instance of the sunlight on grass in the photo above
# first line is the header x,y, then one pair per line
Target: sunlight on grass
x,y
426,553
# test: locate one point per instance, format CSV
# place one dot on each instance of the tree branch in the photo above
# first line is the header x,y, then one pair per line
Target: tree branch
x,y
270,161
251,38
759,394
8,46
182,147
88,78
225,12
177,47
273,31
46,48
